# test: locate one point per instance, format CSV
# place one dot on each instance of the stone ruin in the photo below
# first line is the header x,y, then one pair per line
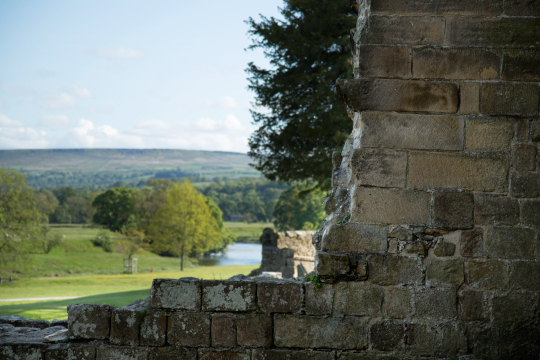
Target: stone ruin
x,y
291,252
430,248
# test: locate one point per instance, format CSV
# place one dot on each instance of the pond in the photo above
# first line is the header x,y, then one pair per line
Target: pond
x,y
238,254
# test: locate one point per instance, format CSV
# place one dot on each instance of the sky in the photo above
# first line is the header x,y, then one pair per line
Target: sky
x,y
152,74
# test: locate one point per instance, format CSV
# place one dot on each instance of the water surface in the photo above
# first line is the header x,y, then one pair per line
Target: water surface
x,y
238,254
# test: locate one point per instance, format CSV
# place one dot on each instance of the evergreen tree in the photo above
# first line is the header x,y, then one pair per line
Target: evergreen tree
x,y
309,50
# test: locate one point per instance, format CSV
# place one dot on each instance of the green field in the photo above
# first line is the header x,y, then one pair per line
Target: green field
x,y
247,232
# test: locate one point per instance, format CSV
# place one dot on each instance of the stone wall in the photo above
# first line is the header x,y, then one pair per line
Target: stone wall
x,y
291,253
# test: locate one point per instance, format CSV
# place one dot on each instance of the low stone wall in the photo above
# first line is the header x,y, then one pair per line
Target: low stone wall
x,y
291,252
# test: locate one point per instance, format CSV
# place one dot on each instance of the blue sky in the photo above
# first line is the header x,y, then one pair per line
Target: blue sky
x,y
127,74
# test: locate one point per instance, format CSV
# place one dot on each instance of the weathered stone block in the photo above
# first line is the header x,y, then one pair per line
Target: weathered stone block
x,y
521,65
121,352
469,93
522,8
394,270
267,354
88,321
393,246
472,306
357,298
329,264
126,322
510,98
414,249
411,131
510,243
496,32
353,237
378,167
445,272
254,330
385,62
488,134
398,95
319,333
397,302
452,210
367,355
412,30
525,185
512,308
68,352
444,248
182,294
444,7
188,329
521,127
456,64
387,335
530,213
485,172
280,296
223,331
472,243
535,131
223,295
440,339
21,321
173,353
401,233
21,352
524,157
389,206
153,328
319,301
489,210
488,274
231,354
436,304
525,275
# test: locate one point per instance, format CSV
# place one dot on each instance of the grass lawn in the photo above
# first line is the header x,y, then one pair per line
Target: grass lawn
x,y
247,232
117,290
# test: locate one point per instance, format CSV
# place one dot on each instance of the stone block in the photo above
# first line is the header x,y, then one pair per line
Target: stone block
x,y
472,305
394,270
492,32
390,206
319,333
488,134
287,253
387,335
519,99
353,237
414,249
254,330
530,213
456,64
487,274
490,210
21,352
411,131
69,352
522,8
525,185
21,321
521,65
188,329
223,295
469,93
535,131
512,308
510,243
440,339
397,303
367,355
379,167
475,172
153,328
126,323
472,243
230,354
173,353
89,321
270,354
398,95
445,272
482,340
436,304
525,275
393,246
121,353
331,265
182,294
401,233
223,331
523,157
385,62
521,127
411,30
357,298
444,7
319,301
452,210
444,249
285,296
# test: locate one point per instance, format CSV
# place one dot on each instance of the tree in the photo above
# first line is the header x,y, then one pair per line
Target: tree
x,y
309,50
226,237
46,203
20,229
298,209
115,209
184,224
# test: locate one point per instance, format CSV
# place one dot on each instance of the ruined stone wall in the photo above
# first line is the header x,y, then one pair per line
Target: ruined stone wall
x,y
291,253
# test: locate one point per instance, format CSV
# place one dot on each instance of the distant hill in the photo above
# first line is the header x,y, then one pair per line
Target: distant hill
x,y
103,167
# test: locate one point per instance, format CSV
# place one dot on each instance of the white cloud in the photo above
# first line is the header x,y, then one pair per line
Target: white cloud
x,y
86,135
81,93
229,124
6,122
58,101
226,102
57,122
121,52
